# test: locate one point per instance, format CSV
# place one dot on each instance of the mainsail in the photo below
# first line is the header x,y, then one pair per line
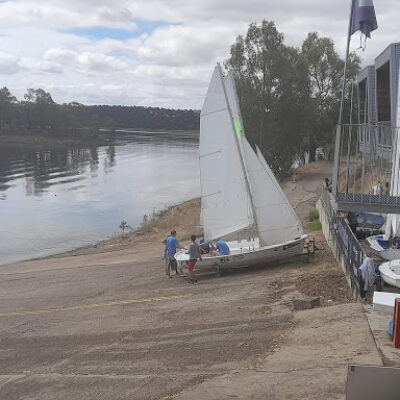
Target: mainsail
x,y
275,220
225,201
240,195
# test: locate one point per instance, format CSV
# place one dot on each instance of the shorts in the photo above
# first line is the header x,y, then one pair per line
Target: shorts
x,y
191,264
172,262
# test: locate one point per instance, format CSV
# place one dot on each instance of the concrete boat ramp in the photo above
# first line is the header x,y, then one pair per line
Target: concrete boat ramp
x,y
111,326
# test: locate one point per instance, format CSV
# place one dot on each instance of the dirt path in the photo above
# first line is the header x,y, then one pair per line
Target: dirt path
x,y
302,187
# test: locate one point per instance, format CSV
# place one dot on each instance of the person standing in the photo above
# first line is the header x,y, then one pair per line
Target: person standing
x,y
171,244
194,254
328,185
377,189
386,191
353,221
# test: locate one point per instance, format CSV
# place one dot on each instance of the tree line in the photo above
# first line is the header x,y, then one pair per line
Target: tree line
x,y
148,117
39,114
289,97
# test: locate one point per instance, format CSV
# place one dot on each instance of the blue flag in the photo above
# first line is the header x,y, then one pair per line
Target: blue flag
x,y
363,17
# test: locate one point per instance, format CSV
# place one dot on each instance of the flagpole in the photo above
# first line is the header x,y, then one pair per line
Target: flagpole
x,y
340,120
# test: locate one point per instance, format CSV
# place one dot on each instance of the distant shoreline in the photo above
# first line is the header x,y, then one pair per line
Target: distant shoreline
x,y
105,138
38,142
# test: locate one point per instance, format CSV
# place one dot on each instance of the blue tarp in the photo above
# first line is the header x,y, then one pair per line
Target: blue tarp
x,y
371,221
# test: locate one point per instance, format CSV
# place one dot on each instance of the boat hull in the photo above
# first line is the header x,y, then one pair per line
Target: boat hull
x,y
390,272
245,256
387,254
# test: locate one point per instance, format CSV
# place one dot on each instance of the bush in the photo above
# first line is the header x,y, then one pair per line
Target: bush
x,y
313,215
313,226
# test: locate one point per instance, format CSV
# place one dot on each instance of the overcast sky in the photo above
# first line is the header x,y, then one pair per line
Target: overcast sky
x,y
154,52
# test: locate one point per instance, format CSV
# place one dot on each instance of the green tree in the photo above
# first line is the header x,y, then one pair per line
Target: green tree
x,y
273,88
325,70
41,110
38,96
7,100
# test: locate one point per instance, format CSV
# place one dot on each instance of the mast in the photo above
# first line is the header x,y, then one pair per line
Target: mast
x,y
239,144
335,175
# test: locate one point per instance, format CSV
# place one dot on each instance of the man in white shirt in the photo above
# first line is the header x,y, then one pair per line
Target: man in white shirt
x,y
377,188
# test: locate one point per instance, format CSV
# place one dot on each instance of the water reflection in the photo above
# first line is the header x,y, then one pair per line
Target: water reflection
x,y
110,159
59,199
42,169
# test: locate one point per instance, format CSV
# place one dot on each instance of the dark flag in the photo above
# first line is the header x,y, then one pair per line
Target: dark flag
x,y
363,17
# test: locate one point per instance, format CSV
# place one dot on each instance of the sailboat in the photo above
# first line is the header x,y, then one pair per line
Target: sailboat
x,y
241,201
387,246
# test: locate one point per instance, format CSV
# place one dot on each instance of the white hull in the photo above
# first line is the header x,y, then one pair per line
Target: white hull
x,y
247,254
390,272
386,254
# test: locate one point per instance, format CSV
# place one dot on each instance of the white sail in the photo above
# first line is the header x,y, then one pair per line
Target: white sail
x,y
225,200
275,219
279,218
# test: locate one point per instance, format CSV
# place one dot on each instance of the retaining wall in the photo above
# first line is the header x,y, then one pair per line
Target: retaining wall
x,y
341,243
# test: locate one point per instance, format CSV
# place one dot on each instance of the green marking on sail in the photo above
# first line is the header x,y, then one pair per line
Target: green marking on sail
x,y
238,129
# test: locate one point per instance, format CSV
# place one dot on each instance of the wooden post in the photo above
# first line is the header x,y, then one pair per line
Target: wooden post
x,y
396,324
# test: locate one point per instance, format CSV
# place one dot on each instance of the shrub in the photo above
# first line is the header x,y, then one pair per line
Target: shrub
x,y
313,226
313,215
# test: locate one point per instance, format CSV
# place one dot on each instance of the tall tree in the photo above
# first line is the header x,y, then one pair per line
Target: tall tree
x,y
41,110
273,90
325,69
38,96
6,102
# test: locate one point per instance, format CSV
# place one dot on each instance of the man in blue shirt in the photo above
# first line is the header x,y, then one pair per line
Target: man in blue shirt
x,y
171,244
222,248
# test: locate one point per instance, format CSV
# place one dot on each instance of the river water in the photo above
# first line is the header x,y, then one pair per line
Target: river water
x,y
52,201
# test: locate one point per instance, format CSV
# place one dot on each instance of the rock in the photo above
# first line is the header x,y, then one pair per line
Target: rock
x,y
306,303
315,301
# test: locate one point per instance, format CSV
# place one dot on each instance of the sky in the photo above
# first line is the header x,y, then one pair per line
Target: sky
x,y
157,53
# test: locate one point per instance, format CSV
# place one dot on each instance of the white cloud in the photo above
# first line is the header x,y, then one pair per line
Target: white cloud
x,y
64,15
33,65
85,61
167,66
186,45
8,64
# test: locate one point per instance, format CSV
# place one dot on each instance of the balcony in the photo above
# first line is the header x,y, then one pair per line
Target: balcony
x,y
364,158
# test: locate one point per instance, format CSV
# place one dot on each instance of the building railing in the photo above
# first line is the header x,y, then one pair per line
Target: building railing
x,y
364,158
368,198
375,139
349,246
